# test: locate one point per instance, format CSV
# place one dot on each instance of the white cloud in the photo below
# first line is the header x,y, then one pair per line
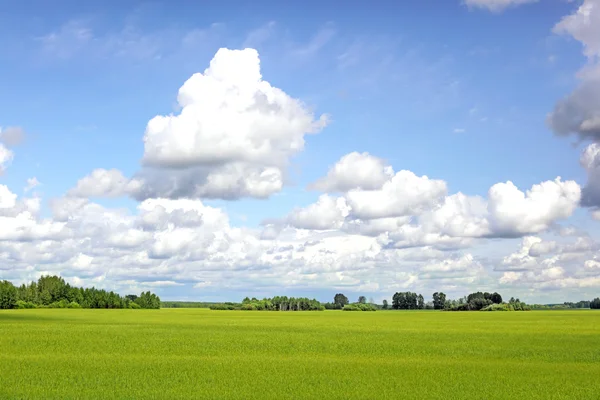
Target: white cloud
x,y
7,198
522,259
412,211
513,212
234,137
82,261
538,278
6,157
229,114
105,183
579,112
541,265
584,26
465,267
404,194
590,161
496,5
31,184
355,171
327,213
162,284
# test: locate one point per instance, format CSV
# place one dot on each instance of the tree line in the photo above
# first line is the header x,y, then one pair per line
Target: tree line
x,y
473,302
284,303
564,306
54,292
277,303
476,301
341,302
188,304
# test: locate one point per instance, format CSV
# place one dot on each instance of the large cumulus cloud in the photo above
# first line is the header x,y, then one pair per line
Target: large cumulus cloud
x,y
413,210
578,113
233,138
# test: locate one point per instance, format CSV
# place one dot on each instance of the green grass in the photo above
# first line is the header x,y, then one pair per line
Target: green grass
x,y
194,353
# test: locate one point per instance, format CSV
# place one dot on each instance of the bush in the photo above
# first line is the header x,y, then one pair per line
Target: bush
x,y
134,306
21,305
359,307
498,307
223,307
59,304
507,307
73,304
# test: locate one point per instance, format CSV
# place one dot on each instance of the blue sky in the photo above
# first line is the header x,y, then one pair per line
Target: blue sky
x,y
457,92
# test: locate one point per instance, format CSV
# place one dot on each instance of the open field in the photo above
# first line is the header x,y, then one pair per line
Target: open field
x,y
195,353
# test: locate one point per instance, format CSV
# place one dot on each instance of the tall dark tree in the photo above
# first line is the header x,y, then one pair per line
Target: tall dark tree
x,y
473,296
420,302
496,298
8,295
405,301
340,300
439,300
362,300
385,304
595,304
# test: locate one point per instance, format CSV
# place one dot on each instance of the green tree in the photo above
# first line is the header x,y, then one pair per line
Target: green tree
x,y
406,301
8,295
595,304
496,298
420,302
340,300
385,304
439,300
148,300
362,300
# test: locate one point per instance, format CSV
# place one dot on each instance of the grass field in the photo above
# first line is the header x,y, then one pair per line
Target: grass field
x,y
194,353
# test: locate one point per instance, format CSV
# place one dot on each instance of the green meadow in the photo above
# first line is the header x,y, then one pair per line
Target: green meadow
x,y
197,353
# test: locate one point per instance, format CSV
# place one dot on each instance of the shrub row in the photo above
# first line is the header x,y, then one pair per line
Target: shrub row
x,y
359,307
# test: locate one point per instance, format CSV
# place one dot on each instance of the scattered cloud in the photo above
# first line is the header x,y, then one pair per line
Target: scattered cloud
x,y
257,37
6,157
496,5
82,39
12,136
32,183
316,43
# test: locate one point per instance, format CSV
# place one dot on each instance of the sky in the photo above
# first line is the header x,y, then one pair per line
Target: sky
x,y
212,151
